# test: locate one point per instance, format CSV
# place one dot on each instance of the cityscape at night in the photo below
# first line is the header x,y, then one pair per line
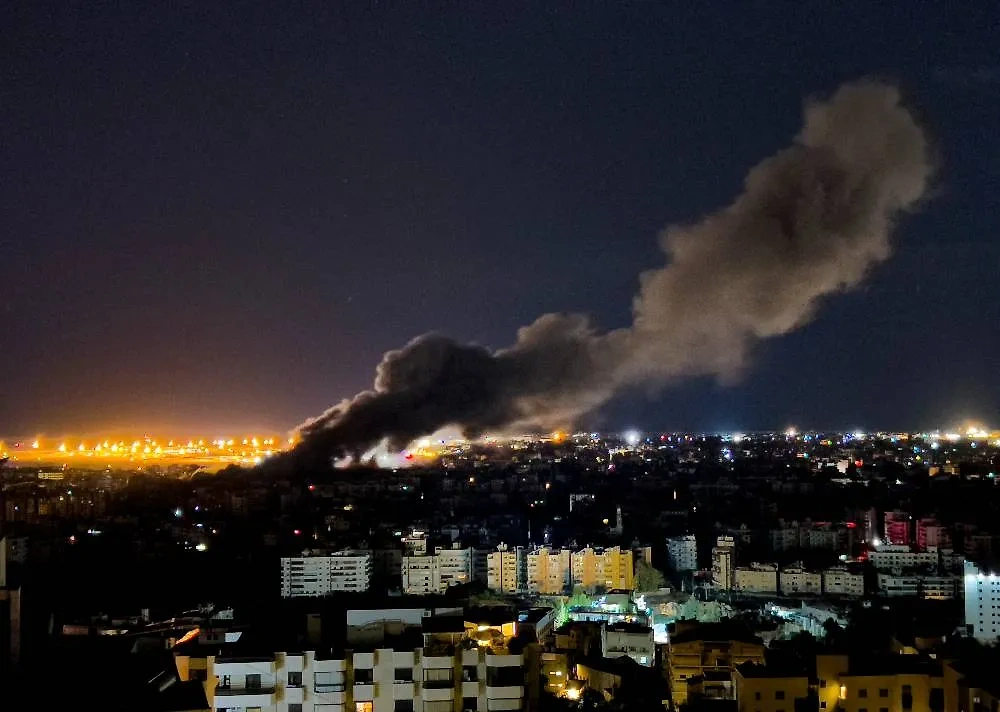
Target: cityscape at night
x,y
500,357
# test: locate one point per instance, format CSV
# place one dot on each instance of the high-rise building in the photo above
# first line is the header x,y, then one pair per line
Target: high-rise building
x,y
326,573
549,571
982,598
682,553
723,561
507,569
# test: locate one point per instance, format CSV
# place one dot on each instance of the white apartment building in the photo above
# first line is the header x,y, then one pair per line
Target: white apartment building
x,y
682,553
422,575
635,641
756,578
507,569
723,560
838,581
899,557
796,580
549,571
316,574
923,585
982,603
432,678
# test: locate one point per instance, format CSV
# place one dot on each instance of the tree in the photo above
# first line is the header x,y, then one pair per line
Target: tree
x,y
647,578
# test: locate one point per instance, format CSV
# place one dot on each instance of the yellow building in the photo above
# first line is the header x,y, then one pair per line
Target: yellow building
x,y
549,571
762,688
890,683
701,649
612,568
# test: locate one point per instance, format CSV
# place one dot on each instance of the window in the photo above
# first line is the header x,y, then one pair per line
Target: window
x,y
404,705
822,705
295,679
328,681
504,676
404,675
364,676
225,681
883,709
779,694
198,674
863,693
883,692
470,704
364,706
822,683
862,709
294,707
756,695
907,702
438,678
470,673
253,682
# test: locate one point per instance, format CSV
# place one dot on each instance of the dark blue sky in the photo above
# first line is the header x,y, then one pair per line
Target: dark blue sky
x,y
220,218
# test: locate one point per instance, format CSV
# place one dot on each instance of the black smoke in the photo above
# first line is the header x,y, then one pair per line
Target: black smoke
x,y
812,221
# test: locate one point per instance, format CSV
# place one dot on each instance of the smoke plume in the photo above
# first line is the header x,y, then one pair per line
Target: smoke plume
x,y
812,221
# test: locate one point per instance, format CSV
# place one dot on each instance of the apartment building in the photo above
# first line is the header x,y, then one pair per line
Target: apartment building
x,y
611,568
756,578
902,558
682,553
400,661
549,571
913,585
713,649
321,574
795,580
631,640
723,562
434,573
982,603
507,569
839,581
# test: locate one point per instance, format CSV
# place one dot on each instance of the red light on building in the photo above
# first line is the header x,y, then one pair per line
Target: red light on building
x,y
296,532
859,463
852,525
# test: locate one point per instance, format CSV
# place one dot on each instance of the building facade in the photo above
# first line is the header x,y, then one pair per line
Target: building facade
x,y
507,569
324,574
549,571
756,578
839,581
723,562
682,553
795,580
611,568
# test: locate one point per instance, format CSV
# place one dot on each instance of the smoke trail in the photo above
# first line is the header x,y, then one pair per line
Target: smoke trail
x,y
812,220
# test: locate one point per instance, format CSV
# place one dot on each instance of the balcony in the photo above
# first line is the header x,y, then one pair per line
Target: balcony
x,y
403,690
230,691
507,692
364,692
436,694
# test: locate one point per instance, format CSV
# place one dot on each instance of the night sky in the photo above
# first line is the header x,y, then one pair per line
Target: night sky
x,y
218,219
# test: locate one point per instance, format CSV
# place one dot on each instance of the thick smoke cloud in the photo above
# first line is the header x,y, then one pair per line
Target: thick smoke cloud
x,y
812,221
